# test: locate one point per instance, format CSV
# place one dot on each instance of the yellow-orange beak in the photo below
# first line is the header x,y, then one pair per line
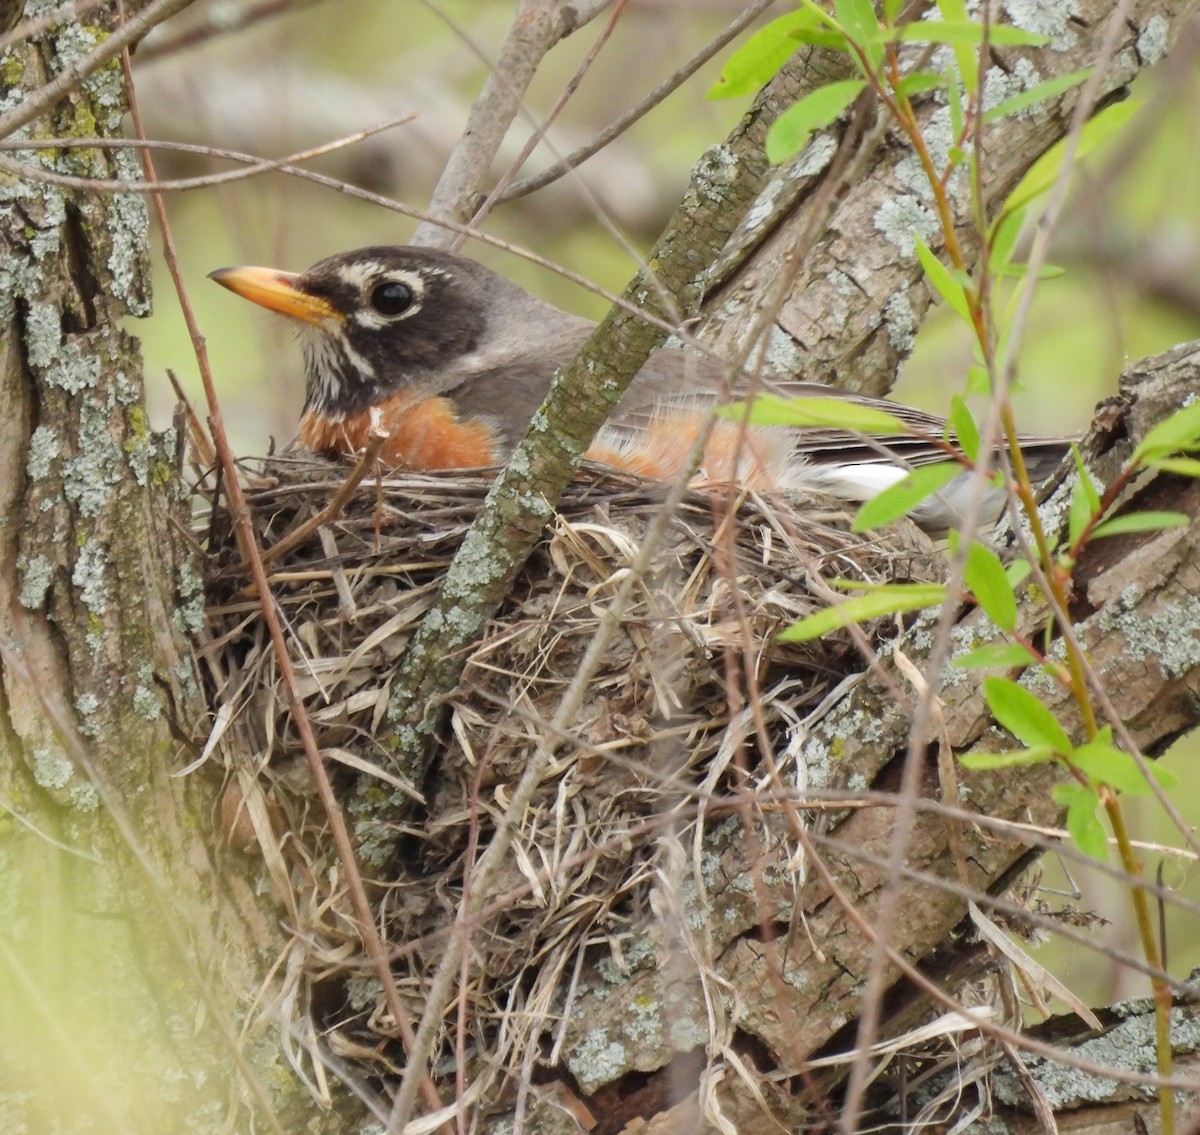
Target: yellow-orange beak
x,y
276,290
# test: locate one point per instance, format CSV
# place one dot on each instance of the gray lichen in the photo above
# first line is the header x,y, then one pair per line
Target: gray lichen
x,y
38,573
596,1060
901,219
90,576
1051,18
1154,39
1169,636
86,705
43,449
901,322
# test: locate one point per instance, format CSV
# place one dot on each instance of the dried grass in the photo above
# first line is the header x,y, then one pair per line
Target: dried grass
x,y
665,727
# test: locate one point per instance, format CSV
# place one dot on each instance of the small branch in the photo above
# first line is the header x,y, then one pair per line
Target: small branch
x,y
255,166
221,22
537,27
523,497
536,137
366,461
239,508
618,127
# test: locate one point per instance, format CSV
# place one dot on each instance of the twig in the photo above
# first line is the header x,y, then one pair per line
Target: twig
x,y
27,29
868,1021
539,133
618,127
537,27
226,23
108,185
366,461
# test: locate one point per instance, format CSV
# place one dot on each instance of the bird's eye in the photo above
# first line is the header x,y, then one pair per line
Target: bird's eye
x,y
392,298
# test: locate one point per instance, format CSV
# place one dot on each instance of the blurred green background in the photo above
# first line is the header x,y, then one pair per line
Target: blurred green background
x,y
1130,241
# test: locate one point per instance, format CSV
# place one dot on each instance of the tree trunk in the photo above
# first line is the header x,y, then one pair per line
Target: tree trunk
x,y
129,944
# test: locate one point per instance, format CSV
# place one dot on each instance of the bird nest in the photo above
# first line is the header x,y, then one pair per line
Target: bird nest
x,y
691,688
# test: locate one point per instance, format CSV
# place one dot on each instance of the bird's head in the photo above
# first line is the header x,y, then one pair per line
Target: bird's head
x,y
378,319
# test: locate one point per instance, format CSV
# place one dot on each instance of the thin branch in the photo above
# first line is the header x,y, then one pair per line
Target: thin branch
x,y
27,29
536,28
618,127
914,759
539,133
366,462
207,181
220,22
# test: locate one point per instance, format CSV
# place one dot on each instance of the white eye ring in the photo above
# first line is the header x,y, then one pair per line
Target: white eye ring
x,y
369,279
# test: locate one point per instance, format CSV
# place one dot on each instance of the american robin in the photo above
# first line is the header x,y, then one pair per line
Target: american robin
x,y
457,359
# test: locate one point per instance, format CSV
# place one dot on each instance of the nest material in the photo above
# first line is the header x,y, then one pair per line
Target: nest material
x,y
664,727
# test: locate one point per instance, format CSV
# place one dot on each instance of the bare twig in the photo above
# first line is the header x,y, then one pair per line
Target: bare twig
x,y
531,143
207,181
868,1022
366,462
27,29
536,28
219,25
618,127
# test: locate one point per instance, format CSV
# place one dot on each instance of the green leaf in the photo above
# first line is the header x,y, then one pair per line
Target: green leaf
x,y
1017,572
905,494
1044,171
790,132
984,574
1081,511
1023,715
1043,92
837,413
1020,272
917,82
1103,763
1004,239
978,381
1085,479
861,25
967,32
760,57
965,430
1183,466
955,12
985,762
891,599
1180,431
1085,830
823,37
954,103
943,282
1141,522
997,655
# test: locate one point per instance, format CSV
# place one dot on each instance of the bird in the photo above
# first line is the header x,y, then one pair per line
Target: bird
x,y
455,360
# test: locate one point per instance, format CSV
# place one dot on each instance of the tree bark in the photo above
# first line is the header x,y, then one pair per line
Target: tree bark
x,y
130,941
